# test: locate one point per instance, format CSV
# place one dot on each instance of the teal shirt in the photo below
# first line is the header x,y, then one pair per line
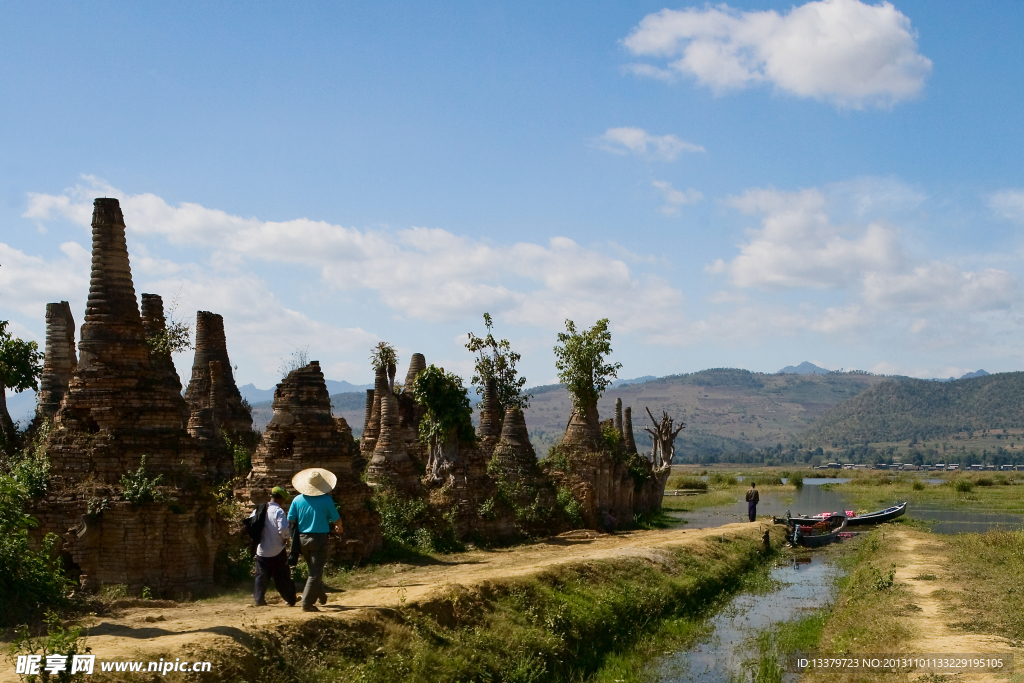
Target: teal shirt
x,y
313,514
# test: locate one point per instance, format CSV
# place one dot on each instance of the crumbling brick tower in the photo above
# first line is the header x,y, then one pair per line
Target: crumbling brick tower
x,y
122,404
215,404
303,434
59,362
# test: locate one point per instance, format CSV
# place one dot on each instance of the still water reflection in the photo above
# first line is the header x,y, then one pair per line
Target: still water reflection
x,y
807,586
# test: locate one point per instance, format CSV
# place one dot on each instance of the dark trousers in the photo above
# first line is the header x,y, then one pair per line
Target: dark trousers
x,y
314,550
752,510
275,568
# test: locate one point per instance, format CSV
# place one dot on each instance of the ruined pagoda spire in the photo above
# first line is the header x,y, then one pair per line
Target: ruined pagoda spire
x,y
112,333
59,362
627,431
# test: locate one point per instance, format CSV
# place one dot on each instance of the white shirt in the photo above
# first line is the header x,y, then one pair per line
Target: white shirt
x,y
275,531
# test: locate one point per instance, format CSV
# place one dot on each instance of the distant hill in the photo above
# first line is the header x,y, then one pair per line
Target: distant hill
x,y
725,410
253,395
969,375
635,380
804,368
900,410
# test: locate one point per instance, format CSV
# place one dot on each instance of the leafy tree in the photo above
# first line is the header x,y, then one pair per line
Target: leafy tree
x,y
496,360
448,413
580,360
21,364
384,357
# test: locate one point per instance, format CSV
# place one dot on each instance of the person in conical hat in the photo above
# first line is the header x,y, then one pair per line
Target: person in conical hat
x,y
314,515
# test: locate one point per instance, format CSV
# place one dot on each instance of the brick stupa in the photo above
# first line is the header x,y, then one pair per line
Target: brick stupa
x,y
302,434
59,362
120,396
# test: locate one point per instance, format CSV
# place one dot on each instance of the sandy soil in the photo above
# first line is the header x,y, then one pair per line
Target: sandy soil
x,y
144,633
922,555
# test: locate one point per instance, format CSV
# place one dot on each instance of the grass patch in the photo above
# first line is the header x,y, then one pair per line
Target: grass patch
x,y
680,481
717,497
987,568
569,623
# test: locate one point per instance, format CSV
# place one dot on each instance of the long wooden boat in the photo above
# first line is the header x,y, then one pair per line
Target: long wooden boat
x,y
877,517
822,532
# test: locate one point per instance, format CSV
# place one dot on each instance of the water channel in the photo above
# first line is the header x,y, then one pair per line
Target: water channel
x,y
806,585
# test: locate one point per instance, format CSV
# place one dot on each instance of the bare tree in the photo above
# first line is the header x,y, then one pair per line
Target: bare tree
x,y
664,437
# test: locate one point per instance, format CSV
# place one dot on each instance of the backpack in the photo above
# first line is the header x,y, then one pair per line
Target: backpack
x,y
254,527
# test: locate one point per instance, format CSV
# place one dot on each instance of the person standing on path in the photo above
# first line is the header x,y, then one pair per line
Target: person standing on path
x,y
752,499
271,557
314,514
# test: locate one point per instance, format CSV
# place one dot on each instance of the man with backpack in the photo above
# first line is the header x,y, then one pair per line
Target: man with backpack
x,y
271,556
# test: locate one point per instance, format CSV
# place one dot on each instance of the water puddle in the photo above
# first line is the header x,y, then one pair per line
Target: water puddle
x,y
807,585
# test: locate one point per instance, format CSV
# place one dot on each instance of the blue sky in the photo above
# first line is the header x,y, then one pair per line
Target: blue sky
x,y
749,185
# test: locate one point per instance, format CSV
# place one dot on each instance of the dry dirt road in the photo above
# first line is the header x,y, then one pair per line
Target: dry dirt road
x,y
175,629
923,555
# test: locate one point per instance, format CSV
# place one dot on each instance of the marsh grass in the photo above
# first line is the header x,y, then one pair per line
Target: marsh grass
x,y
679,481
987,568
715,497
590,621
960,492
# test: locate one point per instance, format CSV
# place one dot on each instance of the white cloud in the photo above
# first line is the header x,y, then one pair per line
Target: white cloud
x,y
841,51
28,283
675,199
641,143
1008,204
798,247
942,284
423,273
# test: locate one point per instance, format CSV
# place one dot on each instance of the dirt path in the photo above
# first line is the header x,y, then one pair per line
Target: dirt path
x,y
923,556
148,633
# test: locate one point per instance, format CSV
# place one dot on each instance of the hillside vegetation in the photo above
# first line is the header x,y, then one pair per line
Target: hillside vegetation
x,y
729,413
913,409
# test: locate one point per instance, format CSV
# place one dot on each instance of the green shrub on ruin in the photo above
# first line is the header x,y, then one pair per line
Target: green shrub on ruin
x,y
497,361
30,467
448,413
138,488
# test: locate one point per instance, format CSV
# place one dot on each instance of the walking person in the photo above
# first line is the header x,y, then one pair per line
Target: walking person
x,y
752,499
314,515
271,556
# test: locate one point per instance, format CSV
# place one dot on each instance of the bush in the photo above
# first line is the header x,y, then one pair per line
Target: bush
x,y
720,479
918,485
31,579
680,481
409,524
963,485
572,507
985,481
138,488
796,479
767,480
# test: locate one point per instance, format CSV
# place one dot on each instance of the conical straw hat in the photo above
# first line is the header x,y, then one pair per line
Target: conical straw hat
x,y
316,481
